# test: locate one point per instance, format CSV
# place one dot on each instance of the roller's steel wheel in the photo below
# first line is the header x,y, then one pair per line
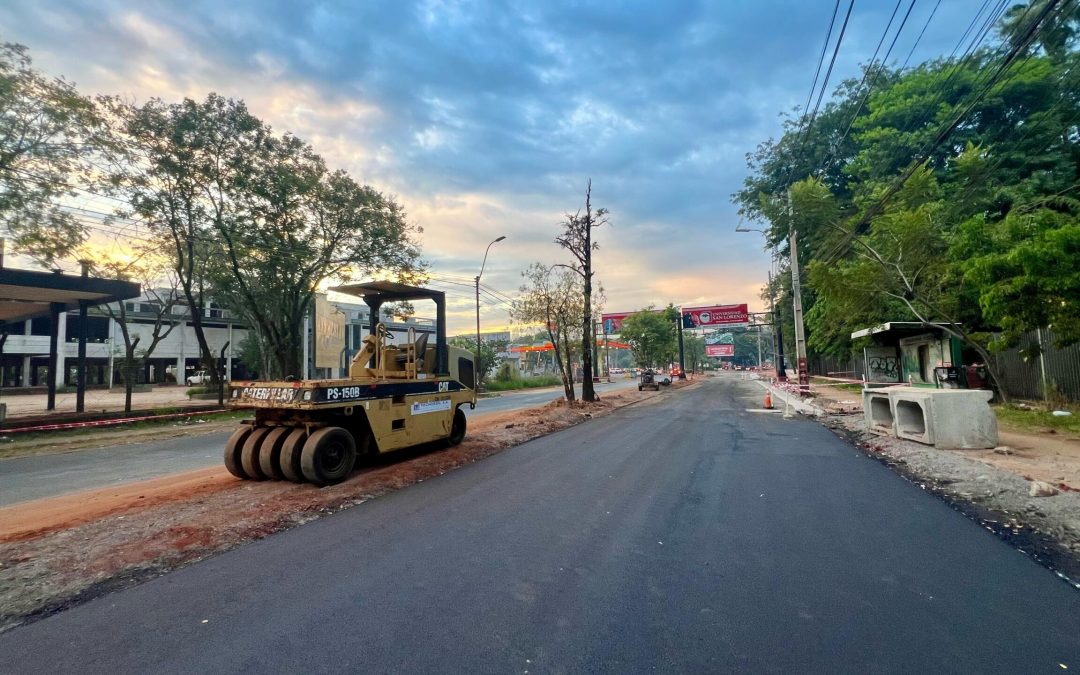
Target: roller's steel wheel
x,y
233,446
457,429
289,457
249,456
270,452
329,456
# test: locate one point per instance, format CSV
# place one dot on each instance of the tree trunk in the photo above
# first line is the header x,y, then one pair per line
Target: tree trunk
x,y
587,334
569,369
129,373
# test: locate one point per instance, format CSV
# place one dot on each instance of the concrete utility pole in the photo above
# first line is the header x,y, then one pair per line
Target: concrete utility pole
x,y
479,366
800,333
682,362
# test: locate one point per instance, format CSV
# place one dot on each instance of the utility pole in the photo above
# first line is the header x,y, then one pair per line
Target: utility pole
x,y
778,337
682,364
800,334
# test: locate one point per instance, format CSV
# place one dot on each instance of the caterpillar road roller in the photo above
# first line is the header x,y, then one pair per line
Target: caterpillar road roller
x,y
395,396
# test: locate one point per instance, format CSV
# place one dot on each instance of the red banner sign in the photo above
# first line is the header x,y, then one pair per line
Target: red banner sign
x,y
719,350
717,315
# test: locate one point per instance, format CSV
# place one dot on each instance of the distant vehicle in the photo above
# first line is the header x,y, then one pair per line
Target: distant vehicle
x,y
200,377
648,381
676,372
664,378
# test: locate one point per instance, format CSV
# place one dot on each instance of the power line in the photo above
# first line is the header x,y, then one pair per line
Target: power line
x,y
1010,58
866,72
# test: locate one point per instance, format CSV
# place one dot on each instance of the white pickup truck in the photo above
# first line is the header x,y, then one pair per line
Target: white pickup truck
x,y
199,377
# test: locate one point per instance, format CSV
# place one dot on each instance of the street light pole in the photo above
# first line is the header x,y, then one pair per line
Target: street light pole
x,y
778,336
479,372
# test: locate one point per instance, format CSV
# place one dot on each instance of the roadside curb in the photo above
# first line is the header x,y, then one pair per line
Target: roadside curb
x,y
799,406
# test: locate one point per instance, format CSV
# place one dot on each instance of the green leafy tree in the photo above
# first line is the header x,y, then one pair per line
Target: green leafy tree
x,y
49,137
489,355
652,336
1027,269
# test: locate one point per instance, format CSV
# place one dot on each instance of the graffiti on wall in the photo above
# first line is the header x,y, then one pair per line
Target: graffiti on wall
x,y
882,364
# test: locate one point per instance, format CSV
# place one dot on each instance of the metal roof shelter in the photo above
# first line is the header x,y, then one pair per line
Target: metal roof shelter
x,y
375,293
898,328
26,294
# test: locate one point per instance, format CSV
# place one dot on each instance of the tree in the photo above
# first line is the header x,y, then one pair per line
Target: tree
x,y
489,355
652,336
253,219
160,288
903,259
176,156
552,296
577,238
49,135
1026,269
288,225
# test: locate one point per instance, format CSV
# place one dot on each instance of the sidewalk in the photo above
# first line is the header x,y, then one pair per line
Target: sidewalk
x,y
99,400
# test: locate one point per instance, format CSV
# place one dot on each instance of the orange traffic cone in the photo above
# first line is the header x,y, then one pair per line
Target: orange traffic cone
x,y
768,400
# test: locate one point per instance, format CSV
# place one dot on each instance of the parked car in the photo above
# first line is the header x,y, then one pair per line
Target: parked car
x,y
199,377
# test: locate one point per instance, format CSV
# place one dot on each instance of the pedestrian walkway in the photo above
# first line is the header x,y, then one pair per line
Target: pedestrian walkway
x,y
98,400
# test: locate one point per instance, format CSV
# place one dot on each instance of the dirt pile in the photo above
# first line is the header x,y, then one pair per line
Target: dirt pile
x,y
58,552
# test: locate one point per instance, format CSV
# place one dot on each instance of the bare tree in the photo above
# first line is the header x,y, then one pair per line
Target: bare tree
x,y
553,299
161,290
577,238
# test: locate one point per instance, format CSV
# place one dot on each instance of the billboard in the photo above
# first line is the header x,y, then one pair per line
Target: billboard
x,y
611,323
329,333
719,350
716,315
718,338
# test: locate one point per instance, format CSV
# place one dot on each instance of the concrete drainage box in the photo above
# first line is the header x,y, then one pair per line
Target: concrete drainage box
x,y
877,410
963,419
946,418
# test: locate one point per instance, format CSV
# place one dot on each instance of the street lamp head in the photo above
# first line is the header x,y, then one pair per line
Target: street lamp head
x,y
500,238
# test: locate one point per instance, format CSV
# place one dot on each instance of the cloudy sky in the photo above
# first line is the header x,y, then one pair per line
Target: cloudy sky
x,y
487,118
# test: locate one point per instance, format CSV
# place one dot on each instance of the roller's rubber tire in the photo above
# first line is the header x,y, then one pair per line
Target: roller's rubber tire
x,y
233,446
289,457
329,456
270,451
249,455
457,429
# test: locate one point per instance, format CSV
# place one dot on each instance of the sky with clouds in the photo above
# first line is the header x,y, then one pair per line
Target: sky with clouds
x,y
487,118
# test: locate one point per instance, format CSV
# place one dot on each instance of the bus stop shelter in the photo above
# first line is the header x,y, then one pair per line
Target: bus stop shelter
x,y
26,294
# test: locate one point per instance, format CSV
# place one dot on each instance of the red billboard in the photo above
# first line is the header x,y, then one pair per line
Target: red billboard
x,y
719,350
717,315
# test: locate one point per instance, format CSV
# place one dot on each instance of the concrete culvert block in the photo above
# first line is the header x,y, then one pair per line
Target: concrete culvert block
x,y
913,421
946,418
877,412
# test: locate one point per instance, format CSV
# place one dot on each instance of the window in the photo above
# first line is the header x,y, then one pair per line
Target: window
x,y
465,372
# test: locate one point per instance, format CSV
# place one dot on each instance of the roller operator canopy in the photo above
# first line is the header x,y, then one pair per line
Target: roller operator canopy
x,y
378,292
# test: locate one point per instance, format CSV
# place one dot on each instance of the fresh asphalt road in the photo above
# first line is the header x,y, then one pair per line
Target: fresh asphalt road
x,y
40,476
687,536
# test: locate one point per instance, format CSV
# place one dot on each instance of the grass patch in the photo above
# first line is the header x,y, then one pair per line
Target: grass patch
x,y
1038,419
523,383
846,386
